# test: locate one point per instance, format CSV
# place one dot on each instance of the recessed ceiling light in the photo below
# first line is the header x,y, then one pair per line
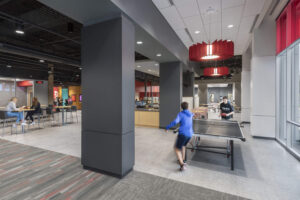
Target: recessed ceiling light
x,y
149,70
9,66
228,40
197,32
138,66
77,75
42,61
230,26
139,42
20,32
158,55
156,64
80,68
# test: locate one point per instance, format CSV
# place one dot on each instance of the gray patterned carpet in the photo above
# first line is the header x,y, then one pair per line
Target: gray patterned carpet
x,y
28,173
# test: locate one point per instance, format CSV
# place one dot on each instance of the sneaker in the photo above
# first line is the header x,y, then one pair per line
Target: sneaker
x,y
23,124
32,123
14,125
183,167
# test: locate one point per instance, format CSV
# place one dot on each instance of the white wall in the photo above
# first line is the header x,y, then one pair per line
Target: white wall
x,y
246,96
263,66
263,96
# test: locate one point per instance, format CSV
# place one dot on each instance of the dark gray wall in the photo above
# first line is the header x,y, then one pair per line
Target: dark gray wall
x,y
41,92
188,84
21,94
7,91
108,90
170,91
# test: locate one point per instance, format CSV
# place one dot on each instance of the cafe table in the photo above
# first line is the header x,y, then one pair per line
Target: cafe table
x,y
63,108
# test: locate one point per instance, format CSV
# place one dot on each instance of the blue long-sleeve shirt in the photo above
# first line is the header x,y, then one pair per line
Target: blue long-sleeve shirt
x,y
185,118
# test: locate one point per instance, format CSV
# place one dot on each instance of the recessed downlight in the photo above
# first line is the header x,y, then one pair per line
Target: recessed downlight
x,y
149,70
230,26
8,66
139,42
80,68
158,55
77,75
156,64
138,66
20,32
41,61
197,32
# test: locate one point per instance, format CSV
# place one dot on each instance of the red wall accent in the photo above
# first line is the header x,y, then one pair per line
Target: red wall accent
x,y
140,88
288,26
24,83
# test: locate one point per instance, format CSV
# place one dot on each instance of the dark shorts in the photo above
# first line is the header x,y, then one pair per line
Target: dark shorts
x,y
181,141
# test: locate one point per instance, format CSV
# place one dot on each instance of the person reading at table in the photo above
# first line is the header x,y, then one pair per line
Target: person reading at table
x,y
185,133
37,109
13,111
226,109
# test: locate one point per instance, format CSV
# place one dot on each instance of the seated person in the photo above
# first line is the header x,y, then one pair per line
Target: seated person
x,y
37,109
13,111
226,109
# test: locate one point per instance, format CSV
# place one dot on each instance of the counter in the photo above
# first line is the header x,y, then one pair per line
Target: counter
x,y
146,117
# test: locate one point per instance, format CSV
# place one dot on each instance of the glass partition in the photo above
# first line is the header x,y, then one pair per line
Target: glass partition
x,y
288,98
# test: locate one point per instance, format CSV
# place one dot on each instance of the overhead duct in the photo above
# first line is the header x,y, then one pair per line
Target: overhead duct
x,y
7,48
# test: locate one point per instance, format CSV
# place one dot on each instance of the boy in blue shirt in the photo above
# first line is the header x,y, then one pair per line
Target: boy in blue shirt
x,y
185,133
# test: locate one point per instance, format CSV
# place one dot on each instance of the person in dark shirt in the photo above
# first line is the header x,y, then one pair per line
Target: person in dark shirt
x,y
226,109
37,109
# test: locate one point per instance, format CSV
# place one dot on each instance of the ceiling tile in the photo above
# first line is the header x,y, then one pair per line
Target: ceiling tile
x,y
232,3
205,4
173,17
187,8
194,23
232,15
253,7
183,35
161,3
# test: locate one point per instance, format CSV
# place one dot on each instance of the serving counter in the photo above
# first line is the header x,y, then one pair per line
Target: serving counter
x,y
147,117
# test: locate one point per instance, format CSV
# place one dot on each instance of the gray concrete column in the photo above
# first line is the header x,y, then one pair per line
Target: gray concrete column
x,y
108,93
203,93
237,97
188,84
50,84
170,91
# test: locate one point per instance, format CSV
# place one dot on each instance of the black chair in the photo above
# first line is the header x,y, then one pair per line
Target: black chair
x,y
5,119
71,110
50,113
40,116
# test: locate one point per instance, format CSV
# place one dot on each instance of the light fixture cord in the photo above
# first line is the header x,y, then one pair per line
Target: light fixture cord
x,y
221,20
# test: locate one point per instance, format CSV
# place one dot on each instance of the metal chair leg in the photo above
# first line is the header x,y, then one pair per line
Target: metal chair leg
x,y
3,128
76,116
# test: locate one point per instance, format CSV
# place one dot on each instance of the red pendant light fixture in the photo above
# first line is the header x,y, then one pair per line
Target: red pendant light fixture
x,y
216,71
218,50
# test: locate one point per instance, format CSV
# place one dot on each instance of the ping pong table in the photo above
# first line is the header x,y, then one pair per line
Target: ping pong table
x,y
229,131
